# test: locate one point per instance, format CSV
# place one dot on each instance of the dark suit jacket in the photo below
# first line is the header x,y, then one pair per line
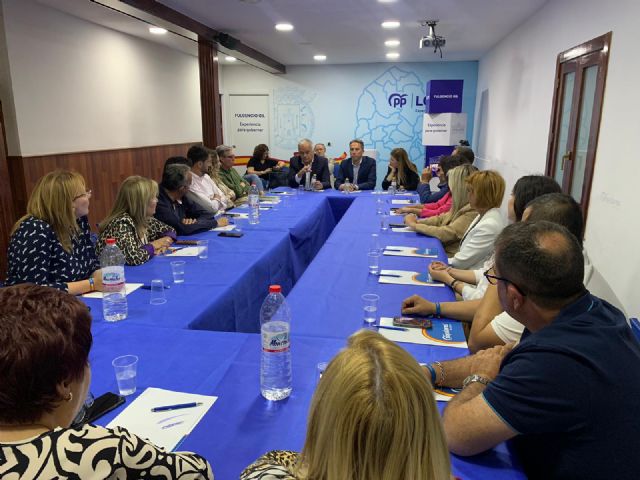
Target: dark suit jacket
x,y
411,182
366,175
172,213
319,168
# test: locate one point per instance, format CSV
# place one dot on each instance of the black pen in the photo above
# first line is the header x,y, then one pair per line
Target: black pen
x,y
178,406
401,329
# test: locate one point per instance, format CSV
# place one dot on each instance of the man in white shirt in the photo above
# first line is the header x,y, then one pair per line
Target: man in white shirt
x,y
491,325
205,191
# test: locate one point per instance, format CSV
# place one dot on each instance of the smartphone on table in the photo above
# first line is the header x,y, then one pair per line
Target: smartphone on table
x,y
412,322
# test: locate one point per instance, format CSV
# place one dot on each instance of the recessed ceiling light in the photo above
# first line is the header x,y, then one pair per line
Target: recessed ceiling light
x,y
393,55
386,1
230,59
320,58
215,59
284,27
390,24
392,43
157,30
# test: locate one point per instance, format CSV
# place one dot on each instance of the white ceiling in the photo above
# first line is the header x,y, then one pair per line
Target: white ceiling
x,y
349,31
346,31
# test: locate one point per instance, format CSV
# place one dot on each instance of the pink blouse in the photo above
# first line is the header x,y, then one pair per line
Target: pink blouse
x,y
441,206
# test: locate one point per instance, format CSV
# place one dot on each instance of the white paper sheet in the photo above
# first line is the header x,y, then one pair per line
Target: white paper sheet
x,y
402,230
404,277
239,216
398,251
191,251
226,228
402,202
129,288
164,429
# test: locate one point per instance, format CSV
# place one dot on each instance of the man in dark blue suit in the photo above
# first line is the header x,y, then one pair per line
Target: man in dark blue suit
x,y
359,169
303,167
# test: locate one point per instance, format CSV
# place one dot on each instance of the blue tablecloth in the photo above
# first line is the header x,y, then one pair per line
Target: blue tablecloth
x,y
242,425
225,292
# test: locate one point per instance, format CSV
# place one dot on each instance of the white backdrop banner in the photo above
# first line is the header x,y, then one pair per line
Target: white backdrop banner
x,y
248,122
443,128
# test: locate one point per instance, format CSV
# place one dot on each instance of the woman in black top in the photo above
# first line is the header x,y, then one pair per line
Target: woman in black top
x,y
401,170
51,245
267,169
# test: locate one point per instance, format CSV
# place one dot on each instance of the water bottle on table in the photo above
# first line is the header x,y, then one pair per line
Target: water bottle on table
x,y
393,188
347,186
275,364
254,205
114,295
313,182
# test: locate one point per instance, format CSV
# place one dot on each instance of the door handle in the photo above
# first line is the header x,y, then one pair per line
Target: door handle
x,y
565,157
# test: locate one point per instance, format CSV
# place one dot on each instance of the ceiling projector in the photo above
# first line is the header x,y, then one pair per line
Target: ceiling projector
x,y
432,40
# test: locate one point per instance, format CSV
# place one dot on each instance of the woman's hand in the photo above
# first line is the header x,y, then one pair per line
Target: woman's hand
x,y
188,221
410,220
223,221
416,305
97,280
426,175
440,275
438,265
161,244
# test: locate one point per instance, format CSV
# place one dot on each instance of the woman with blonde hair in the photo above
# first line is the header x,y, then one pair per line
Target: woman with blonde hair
x,y
449,227
373,416
401,170
138,234
214,173
51,245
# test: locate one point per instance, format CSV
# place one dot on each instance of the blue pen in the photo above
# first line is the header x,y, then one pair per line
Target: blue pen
x,y
178,406
400,329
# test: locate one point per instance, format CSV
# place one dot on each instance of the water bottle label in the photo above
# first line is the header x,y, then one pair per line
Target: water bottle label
x,y
113,278
275,342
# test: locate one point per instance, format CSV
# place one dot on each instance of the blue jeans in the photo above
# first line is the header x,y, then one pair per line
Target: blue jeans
x,y
253,178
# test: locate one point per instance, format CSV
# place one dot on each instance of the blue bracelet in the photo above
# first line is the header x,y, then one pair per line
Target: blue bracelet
x,y
432,372
438,309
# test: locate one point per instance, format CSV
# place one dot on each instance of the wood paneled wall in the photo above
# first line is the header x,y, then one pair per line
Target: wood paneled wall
x,y
7,215
103,171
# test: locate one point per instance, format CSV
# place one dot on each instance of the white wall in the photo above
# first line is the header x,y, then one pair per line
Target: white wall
x,y
79,86
336,103
515,94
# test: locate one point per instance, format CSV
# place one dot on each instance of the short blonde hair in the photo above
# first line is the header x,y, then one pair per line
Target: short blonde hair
x,y
133,199
373,416
52,201
488,187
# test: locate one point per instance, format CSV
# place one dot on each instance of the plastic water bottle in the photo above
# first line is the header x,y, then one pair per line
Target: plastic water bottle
x,y
347,186
254,205
393,188
114,296
313,182
275,365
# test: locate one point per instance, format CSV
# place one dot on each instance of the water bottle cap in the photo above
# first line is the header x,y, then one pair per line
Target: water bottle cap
x,y
275,289
111,241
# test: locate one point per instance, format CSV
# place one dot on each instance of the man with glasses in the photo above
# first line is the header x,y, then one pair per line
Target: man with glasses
x,y
574,376
175,209
305,165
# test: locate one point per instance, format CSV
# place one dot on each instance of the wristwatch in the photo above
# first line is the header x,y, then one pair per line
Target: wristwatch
x,y
475,378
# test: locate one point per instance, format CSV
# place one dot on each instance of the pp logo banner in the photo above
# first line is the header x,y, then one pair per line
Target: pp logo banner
x,y
397,100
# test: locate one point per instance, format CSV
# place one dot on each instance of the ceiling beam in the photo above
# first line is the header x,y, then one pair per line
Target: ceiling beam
x,y
203,31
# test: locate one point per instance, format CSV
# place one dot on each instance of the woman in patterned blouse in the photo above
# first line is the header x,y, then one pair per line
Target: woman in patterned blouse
x,y
372,416
138,234
51,245
44,372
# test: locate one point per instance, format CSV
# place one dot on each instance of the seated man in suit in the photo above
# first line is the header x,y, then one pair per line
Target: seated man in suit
x,y
359,169
176,210
303,167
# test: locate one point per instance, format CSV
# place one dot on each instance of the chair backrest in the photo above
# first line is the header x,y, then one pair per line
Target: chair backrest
x,y
635,326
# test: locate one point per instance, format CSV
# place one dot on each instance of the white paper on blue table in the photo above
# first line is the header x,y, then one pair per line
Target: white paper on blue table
x,y
164,429
129,288
443,333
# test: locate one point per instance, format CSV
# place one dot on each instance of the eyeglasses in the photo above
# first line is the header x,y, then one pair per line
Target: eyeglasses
x,y
494,279
85,194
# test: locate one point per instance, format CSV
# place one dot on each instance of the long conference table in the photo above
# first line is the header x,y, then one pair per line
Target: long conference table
x,y
205,338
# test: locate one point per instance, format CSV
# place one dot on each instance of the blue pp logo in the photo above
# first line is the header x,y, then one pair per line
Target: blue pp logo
x,y
397,100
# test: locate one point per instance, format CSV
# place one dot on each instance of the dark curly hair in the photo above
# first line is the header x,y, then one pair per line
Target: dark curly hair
x,y
46,337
